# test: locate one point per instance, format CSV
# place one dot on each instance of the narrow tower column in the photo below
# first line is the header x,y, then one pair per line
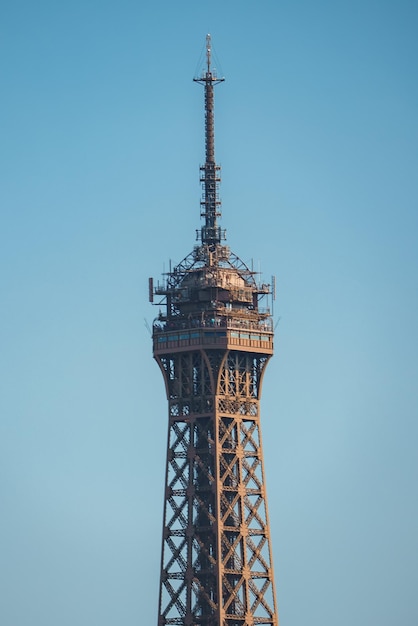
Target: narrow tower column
x,y
212,341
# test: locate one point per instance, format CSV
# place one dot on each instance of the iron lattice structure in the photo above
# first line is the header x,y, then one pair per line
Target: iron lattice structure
x,y
212,341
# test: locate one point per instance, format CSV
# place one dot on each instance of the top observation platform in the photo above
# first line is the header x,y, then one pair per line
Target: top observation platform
x,y
221,333
211,300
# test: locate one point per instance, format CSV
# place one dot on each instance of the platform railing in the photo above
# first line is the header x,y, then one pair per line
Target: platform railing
x,y
264,325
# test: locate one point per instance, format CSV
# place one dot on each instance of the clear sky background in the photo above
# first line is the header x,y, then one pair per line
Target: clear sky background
x,y
102,137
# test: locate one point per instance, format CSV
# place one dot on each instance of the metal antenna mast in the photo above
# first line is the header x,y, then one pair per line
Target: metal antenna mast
x,y
210,179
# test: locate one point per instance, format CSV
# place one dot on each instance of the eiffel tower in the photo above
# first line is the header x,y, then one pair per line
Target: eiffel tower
x,y
212,341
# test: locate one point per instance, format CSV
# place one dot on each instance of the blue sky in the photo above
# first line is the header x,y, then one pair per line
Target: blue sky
x,y
102,137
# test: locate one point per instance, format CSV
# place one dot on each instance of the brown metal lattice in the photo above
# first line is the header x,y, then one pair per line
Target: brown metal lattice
x,y
212,343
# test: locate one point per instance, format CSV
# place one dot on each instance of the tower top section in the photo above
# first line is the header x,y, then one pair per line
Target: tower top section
x,y
211,288
210,233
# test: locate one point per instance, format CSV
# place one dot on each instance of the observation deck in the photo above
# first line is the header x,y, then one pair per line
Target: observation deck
x,y
213,333
211,301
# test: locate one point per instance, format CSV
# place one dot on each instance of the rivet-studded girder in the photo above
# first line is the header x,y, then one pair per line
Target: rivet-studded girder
x,y
216,567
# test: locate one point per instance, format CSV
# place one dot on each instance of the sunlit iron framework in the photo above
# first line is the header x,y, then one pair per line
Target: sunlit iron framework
x,y
212,341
